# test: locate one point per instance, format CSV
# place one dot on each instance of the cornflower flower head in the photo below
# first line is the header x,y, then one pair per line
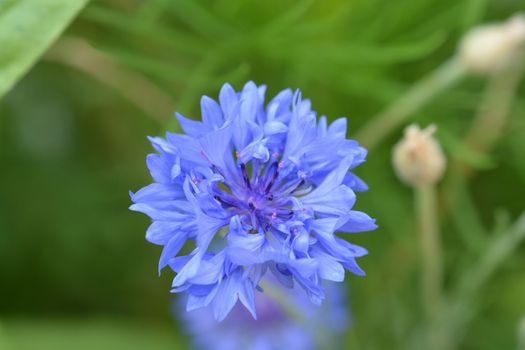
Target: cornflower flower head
x,y
253,189
298,325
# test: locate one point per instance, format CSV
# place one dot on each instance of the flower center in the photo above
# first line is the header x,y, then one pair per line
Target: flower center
x,y
262,199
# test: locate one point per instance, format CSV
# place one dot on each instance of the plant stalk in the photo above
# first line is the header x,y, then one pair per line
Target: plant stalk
x,y
431,260
380,126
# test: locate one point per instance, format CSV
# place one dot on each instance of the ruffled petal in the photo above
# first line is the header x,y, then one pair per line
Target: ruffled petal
x,y
191,127
229,101
356,221
211,113
171,249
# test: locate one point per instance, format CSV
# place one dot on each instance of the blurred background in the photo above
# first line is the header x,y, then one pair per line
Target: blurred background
x,y
83,83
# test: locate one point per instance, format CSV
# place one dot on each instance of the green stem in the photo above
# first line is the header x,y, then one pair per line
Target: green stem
x,y
491,118
431,279
463,309
485,130
432,267
499,249
416,97
521,334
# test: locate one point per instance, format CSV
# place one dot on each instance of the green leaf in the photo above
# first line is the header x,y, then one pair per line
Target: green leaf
x,y
27,29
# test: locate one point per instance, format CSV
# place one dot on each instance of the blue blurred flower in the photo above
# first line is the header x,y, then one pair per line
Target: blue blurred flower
x,y
251,189
302,325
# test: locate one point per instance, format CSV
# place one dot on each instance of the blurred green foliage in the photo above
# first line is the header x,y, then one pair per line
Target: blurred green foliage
x,y
74,264
87,334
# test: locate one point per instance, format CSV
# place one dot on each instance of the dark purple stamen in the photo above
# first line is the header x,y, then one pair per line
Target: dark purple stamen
x,y
298,186
274,168
245,176
223,201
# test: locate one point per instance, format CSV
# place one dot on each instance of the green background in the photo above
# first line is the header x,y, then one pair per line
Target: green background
x,y
75,269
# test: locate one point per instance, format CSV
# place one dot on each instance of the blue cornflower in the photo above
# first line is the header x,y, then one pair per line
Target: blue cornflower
x,y
287,324
252,189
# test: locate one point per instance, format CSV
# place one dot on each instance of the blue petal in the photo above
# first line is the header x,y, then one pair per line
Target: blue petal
x,y
191,127
210,271
286,279
338,128
163,213
301,243
227,296
160,232
355,250
159,167
161,145
202,299
211,113
356,221
274,127
244,250
249,102
279,104
338,201
175,169
351,265
171,249
301,131
247,298
189,270
216,147
229,102
305,267
188,148
177,263
324,231
211,207
330,269
246,130
322,128
333,179
255,150
158,192
355,183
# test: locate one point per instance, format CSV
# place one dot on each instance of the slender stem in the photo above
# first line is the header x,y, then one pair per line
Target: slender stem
x,y
432,270
462,308
491,118
485,130
437,337
499,249
416,97
521,334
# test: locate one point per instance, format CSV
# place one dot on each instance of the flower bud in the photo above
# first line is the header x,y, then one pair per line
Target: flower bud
x,y
489,48
418,158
